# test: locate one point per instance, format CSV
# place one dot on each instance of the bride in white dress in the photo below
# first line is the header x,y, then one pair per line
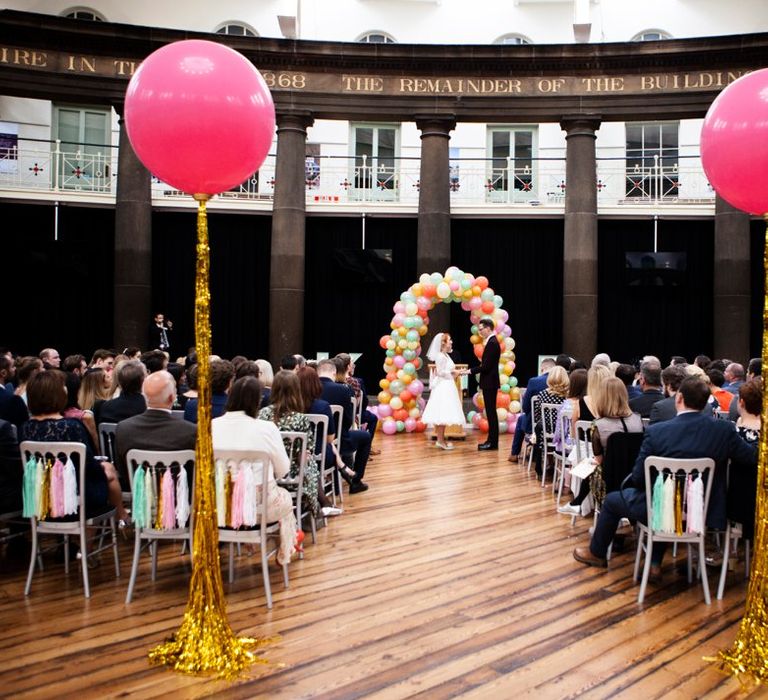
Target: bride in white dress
x,y
444,406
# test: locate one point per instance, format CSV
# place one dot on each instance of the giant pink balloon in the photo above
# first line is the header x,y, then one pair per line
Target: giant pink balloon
x,y
199,116
734,143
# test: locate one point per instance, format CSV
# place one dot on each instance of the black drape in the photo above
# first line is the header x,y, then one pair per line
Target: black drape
x,y
757,285
239,279
57,293
655,320
523,261
349,295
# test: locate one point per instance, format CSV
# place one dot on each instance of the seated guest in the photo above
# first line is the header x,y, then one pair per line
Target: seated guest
x,y
368,421
650,384
12,407
742,481
73,410
286,412
734,376
47,396
190,391
525,422
222,374
103,359
689,435
555,393
671,377
355,443
289,363
94,388
76,364
575,407
50,358
11,470
266,376
248,369
702,361
716,381
614,415
154,360
155,428
236,361
238,429
130,377
28,367
754,370
627,375
311,390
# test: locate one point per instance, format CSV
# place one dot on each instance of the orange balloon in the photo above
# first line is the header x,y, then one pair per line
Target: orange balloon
x,y
502,400
488,307
478,351
483,425
416,289
428,290
481,282
476,290
420,427
474,339
391,376
400,414
406,396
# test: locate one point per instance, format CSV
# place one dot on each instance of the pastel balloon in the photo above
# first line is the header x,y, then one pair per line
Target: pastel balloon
x,y
405,297
400,426
411,308
475,303
443,290
503,427
487,294
396,403
399,307
410,425
384,410
384,397
436,278
416,387
424,278
481,282
389,427
734,143
502,414
514,406
199,116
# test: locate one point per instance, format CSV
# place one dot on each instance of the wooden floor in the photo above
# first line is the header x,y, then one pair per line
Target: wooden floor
x,y
452,576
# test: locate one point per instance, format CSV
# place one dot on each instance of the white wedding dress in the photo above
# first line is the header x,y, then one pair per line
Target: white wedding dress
x,y
444,405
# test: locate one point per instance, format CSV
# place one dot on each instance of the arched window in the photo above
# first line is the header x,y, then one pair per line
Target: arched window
x,y
376,38
237,29
513,39
83,13
651,35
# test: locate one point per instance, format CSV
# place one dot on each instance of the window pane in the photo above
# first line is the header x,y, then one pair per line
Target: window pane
x,y
500,144
95,128
669,135
523,147
69,126
652,137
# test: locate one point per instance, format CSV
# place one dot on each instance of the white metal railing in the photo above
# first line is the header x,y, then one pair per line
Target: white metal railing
x,y
45,166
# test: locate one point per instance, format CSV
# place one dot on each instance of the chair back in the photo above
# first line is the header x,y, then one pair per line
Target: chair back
x,y
296,447
549,413
35,497
583,439
338,417
161,474
107,432
320,425
535,412
177,413
621,452
678,469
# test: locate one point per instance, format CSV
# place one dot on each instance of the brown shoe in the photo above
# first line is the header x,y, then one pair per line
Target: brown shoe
x,y
655,575
513,458
585,556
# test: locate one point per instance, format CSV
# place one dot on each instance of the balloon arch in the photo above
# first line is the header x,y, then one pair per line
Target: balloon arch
x,y
400,398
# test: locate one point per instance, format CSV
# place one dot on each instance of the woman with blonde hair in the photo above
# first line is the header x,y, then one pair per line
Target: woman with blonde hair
x,y
555,393
94,387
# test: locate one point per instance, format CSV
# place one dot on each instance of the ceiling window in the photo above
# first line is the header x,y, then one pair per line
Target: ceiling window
x,y
651,35
83,13
376,38
513,39
237,29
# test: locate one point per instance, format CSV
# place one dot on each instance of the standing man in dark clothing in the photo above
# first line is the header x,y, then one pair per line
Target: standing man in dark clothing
x,y
159,333
488,369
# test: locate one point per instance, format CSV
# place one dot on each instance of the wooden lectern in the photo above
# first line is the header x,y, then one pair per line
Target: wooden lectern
x,y
455,431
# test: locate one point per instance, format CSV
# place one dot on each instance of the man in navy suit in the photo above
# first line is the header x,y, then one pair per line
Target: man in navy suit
x,y
488,369
687,436
352,441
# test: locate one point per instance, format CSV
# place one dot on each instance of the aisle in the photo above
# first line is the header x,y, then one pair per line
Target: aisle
x,y
451,576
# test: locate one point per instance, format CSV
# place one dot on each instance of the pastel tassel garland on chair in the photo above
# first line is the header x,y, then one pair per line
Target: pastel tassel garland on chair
x,y
668,509
249,497
149,496
70,488
238,493
696,506
182,498
168,520
139,512
28,493
39,471
657,503
57,489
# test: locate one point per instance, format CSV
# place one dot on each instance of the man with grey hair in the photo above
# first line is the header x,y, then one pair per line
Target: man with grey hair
x,y
734,375
650,383
156,428
602,358
51,358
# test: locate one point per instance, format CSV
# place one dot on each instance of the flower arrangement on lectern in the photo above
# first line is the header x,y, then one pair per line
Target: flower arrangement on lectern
x,y
201,118
734,154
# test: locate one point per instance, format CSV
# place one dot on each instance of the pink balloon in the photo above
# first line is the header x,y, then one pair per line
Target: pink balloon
x,y
399,307
734,143
385,410
410,425
389,427
416,387
399,361
199,116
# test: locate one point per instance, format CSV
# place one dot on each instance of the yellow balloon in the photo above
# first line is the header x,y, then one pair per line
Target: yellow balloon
x,y
474,339
514,407
384,383
396,403
417,289
423,330
514,394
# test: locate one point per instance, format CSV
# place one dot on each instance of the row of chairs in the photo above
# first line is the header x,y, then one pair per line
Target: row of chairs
x,y
265,535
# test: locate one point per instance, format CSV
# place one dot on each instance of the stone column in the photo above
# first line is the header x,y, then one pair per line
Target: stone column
x,y
580,238
133,249
433,245
731,298
286,278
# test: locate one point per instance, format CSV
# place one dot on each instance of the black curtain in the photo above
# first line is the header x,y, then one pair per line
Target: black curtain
x,y
523,261
350,292
58,293
658,320
240,250
757,285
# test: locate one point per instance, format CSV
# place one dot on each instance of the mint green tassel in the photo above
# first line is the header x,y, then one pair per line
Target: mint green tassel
x,y
139,515
657,503
28,491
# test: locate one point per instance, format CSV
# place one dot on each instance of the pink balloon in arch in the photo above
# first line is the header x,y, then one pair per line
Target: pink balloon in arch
x,y
199,116
734,143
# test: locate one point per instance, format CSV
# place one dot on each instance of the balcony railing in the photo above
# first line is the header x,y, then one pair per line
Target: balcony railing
x,y
77,169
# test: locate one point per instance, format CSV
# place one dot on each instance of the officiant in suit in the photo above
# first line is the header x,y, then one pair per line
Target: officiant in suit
x,y
488,369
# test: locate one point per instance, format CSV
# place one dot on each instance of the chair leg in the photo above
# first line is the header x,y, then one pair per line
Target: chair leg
x,y
84,561
703,572
66,554
135,565
724,567
33,557
153,549
640,540
114,547
263,544
231,562
646,570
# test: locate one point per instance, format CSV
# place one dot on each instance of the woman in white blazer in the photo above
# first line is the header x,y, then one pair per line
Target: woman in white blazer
x,y
239,429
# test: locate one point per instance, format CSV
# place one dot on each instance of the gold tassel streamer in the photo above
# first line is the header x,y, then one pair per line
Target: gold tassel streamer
x,y
679,504
747,658
205,643
45,491
157,479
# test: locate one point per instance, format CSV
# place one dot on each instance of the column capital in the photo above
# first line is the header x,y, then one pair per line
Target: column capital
x,y
580,124
435,124
293,119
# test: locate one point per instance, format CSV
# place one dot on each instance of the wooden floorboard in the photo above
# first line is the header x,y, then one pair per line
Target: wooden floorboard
x,y
452,576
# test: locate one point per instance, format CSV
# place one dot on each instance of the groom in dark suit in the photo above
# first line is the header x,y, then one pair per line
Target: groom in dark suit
x,y
488,369
687,436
